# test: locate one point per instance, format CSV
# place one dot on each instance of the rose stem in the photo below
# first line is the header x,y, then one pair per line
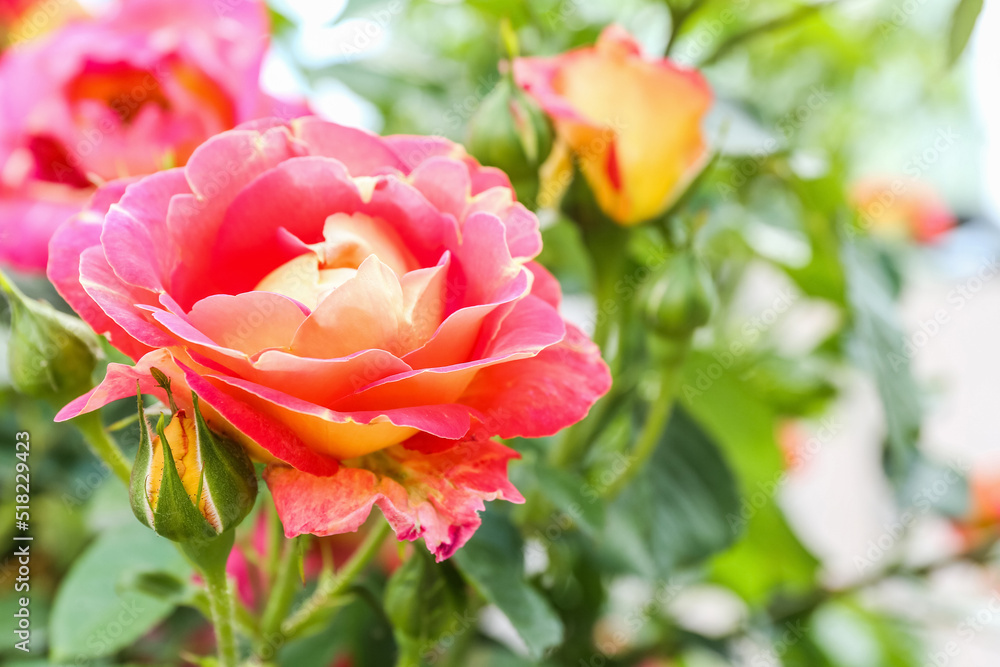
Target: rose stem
x,y
329,589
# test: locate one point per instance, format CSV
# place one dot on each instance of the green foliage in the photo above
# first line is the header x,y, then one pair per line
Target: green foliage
x,y
493,563
423,601
95,612
675,513
963,21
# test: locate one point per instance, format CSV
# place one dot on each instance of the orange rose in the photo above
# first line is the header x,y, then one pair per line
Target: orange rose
x,y
633,123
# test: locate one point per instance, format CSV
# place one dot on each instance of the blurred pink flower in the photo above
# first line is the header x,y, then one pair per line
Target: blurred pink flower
x,y
362,313
119,95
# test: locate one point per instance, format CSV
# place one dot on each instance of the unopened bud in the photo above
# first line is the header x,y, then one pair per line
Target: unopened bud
x,y
52,355
680,299
188,482
510,131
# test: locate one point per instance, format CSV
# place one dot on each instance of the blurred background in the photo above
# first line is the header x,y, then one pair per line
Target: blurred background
x,y
870,84
857,553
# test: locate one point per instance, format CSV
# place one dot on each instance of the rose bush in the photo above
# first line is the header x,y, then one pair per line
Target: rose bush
x,y
120,95
633,123
361,313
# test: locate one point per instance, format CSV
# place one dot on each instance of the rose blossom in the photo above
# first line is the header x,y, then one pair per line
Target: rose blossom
x,y
27,19
119,95
633,123
362,313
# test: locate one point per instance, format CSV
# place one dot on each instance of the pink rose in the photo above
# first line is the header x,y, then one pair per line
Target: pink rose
x,y
121,95
362,313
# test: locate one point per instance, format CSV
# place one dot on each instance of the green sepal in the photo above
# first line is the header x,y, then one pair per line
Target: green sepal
x,y
228,475
510,131
175,516
141,468
211,554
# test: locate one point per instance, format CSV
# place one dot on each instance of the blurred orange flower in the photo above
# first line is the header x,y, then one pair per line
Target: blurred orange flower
x,y
894,208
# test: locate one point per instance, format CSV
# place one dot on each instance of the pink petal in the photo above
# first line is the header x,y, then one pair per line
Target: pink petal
x,y
217,172
522,229
248,322
26,226
70,241
296,196
323,381
445,183
371,310
135,237
118,301
530,327
545,285
426,232
266,439
539,396
345,435
363,153
489,269
436,496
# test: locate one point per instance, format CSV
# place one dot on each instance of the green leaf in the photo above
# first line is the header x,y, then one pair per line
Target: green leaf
x,y
493,562
853,636
963,21
876,344
743,425
94,613
423,599
676,510
566,490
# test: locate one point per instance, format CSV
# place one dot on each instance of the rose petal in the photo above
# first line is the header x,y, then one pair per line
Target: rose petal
x,y
539,396
267,440
346,434
363,153
436,496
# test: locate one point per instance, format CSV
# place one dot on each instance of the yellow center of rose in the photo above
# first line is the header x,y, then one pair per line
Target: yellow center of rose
x,y
348,240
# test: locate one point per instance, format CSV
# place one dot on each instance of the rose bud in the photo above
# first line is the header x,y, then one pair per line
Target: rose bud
x,y
632,122
680,298
189,483
51,354
510,131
